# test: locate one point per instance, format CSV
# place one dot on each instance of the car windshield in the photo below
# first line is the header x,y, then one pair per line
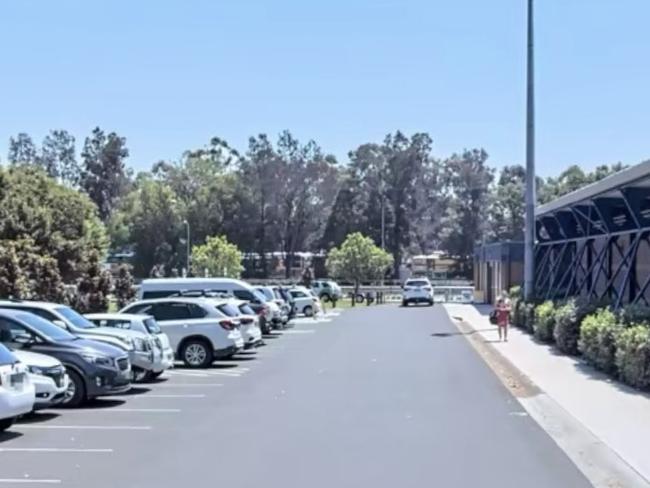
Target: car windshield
x,y
246,309
79,321
259,296
47,328
6,357
417,283
266,292
277,294
229,309
152,326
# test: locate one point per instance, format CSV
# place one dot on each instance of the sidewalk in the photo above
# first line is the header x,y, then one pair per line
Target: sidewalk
x,y
617,415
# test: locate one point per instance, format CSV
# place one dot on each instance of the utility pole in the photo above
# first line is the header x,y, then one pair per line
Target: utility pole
x,y
529,236
188,250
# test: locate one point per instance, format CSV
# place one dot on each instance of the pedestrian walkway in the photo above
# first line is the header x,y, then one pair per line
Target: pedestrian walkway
x,y
617,415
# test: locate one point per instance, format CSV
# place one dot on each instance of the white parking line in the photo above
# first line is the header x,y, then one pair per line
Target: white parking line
x,y
148,395
130,410
299,331
85,427
53,449
29,480
189,385
206,373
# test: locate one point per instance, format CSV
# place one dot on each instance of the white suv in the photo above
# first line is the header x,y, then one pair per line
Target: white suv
x,y
16,389
199,333
48,376
417,290
304,301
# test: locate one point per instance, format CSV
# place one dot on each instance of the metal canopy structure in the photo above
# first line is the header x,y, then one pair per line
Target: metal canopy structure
x,y
594,243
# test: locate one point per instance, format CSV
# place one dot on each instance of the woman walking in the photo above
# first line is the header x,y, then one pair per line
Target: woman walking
x,y
503,316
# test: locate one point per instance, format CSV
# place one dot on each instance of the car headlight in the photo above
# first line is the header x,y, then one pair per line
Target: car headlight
x,y
140,344
35,370
98,360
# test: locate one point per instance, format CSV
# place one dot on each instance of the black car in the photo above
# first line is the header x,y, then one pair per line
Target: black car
x,y
95,368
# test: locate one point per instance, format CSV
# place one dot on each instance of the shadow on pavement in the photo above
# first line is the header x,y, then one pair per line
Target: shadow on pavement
x,y
36,417
9,435
100,403
136,390
443,335
272,336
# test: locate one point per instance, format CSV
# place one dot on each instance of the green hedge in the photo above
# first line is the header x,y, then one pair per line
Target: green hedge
x,y
633,356
544,322
597,343
567,327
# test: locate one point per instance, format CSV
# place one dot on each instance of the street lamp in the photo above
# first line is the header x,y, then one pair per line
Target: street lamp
x,y
529,234
188,244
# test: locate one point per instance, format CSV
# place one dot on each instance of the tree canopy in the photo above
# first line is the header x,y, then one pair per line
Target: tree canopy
x,y
217,257
358,260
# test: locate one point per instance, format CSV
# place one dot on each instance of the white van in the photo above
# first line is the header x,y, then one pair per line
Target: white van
x,y
166,287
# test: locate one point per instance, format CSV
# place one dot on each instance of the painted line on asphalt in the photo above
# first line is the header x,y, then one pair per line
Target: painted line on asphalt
x,y
189,385
144,397
299,331
54,449
85,427
131,410
17,481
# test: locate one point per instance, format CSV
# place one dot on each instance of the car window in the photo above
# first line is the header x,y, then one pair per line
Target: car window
x,y
46,328
196,311
297,294
6,357
152,326
75,318
417,283
117,324
143,308
157,294
9,330
246,309
228,309
171,311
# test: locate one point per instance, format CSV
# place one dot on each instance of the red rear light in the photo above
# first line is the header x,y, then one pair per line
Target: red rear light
x,y
227,324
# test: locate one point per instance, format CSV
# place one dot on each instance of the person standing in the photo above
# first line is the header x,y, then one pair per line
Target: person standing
x,y
503,309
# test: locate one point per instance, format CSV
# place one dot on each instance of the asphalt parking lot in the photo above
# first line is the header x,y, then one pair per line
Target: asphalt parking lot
x,y
115,438
378,396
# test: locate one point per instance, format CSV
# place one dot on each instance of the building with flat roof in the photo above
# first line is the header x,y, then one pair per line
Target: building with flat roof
x,y
594,244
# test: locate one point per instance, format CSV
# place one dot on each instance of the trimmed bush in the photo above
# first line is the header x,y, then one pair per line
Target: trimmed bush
x,y
633,356
515,293
635,315
529,317
597,343
567,328
544,322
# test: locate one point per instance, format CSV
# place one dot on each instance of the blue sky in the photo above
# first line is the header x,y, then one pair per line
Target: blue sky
x,y
168,75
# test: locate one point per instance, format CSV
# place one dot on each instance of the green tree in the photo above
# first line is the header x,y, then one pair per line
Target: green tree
x,y
58,157
124,285
53,221
93,288
150,220
22,150
468,183
217,257
507,204
358,260
104,176
13,282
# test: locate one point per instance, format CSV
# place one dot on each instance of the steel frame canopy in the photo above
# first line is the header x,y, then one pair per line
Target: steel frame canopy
x,y
594,243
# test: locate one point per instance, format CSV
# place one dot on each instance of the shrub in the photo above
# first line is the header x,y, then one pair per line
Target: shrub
x,y
544,322
517,307
633,356
515,293
635,315
597,343
567,327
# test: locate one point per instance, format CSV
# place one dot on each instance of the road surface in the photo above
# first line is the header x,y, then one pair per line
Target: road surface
x,y
377,397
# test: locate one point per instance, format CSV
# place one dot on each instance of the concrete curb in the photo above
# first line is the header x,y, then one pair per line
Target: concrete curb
x,y
600,464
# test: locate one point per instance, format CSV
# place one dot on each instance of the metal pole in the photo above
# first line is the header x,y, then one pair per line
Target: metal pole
x,y
529,236
383,223
188,250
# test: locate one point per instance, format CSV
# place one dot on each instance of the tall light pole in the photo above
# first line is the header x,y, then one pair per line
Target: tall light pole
x,y
188,250
529,236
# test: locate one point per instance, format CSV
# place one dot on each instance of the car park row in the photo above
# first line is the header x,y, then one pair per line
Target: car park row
x,y
50,355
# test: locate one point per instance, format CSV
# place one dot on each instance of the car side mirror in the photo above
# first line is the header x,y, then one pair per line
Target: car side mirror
x,y
24,339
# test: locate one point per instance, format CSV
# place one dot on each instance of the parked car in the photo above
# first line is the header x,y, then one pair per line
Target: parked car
x,y
327,290
304,301
248,320
280,313
166,287
417,290
282,293
16,389
48,376
95,368
162,352
75,323
198,332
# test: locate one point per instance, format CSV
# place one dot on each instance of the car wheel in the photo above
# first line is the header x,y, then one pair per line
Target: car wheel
x,y
153,375
75,395
264,326
359,298
196,353
431,303
6,423
308,311
139,375
325,298
405,303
